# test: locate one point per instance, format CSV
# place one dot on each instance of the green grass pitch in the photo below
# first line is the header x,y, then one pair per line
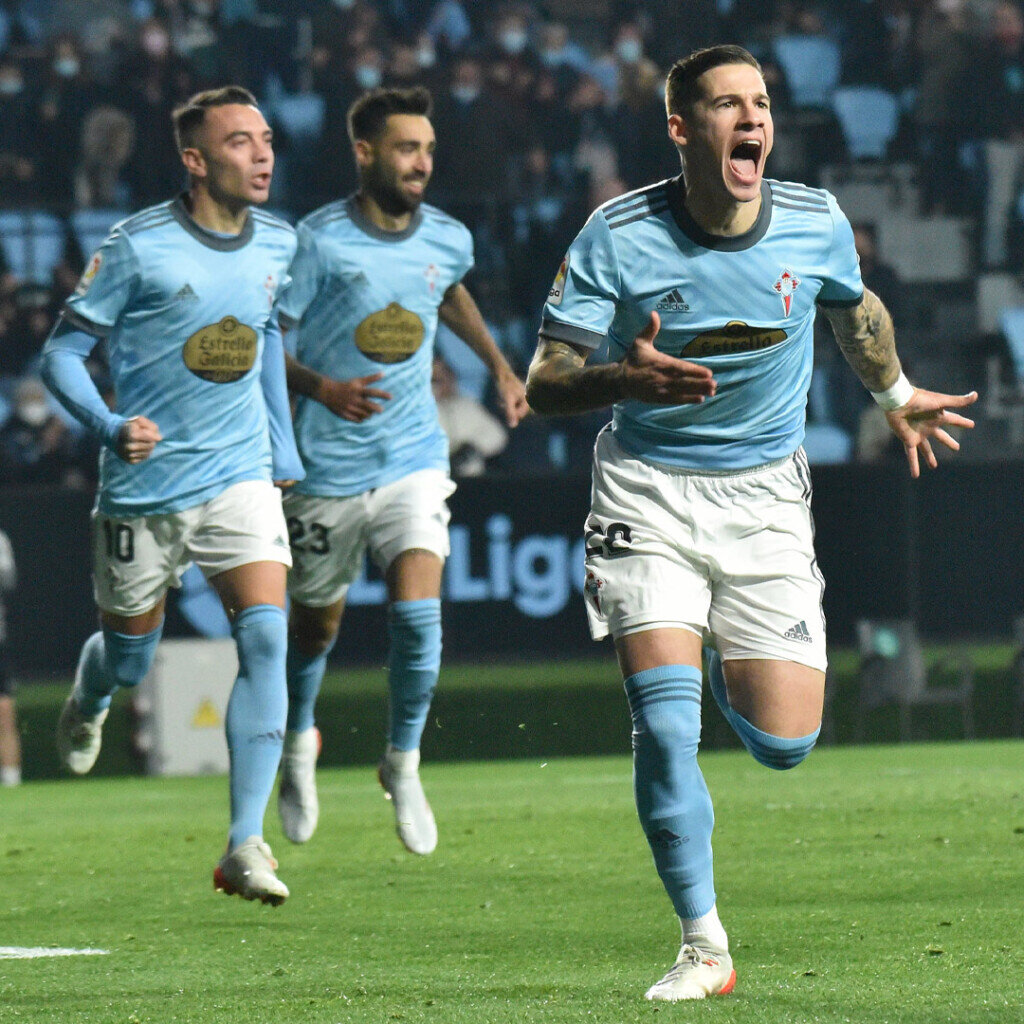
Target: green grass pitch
x,y
870,885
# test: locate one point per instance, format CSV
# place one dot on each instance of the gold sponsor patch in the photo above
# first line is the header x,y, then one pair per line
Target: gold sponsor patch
x,y
390,335
221,352
735,336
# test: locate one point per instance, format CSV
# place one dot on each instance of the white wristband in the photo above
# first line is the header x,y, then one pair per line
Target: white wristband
x,y
898,395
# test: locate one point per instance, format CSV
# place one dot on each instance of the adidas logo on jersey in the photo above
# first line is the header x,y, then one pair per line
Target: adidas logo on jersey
x,y
798,631
674,302
185,292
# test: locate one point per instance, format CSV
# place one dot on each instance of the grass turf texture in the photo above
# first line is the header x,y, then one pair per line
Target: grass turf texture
x,y
870,885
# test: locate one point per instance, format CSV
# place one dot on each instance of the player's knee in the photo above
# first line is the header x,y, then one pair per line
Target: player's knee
x,y
312,632
127,659
665,706
261,634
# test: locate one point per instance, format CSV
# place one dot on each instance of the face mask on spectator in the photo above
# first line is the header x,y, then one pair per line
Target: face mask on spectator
x,y
202,7
513,41
629,50
345,5
11,86
551,58
465,93
367,76
34,413
66,67
426,57
156,44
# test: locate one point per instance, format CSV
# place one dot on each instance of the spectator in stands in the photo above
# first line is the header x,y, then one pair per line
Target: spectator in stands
x,y
1000,92
10,741
474,434
157,81
19,160
66,96
625,64
36,446
470,169
945,59
638,126
31,317
108,140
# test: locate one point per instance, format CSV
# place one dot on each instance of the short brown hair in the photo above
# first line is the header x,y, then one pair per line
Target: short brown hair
x,y
188,118
681,89
368,116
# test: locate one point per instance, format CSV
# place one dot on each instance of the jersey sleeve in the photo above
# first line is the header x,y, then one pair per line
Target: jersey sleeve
x,y
842,285
303,280
105,287
466,258
582,300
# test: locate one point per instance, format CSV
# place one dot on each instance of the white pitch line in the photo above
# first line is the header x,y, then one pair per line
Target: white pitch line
x,y
34,952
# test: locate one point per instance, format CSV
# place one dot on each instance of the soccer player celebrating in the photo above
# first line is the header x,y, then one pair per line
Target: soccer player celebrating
x,y
706,287
372,276
183,293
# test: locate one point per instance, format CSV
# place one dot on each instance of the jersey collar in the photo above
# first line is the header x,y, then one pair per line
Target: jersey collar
x,y
211,239
721,243
366,225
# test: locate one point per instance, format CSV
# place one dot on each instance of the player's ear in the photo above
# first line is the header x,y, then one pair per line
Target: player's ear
x,y
678,129
363,151
194,162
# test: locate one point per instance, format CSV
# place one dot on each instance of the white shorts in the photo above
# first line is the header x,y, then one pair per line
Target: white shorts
x,y
728,554
330,536
136,560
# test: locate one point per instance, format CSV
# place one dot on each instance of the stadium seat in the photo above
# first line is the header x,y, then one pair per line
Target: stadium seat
x,y
892,671
868,117
33,243
91,227
811,65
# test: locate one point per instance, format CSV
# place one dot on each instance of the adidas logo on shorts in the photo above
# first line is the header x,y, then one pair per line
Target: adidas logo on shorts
x,y
798,631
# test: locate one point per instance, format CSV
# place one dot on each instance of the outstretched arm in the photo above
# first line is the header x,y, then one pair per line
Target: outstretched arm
x,y
866,338
460,313
560,383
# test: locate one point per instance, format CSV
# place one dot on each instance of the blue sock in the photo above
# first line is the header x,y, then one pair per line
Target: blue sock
x,y
413,669
110,661
305,674
779,752
671,798
256,716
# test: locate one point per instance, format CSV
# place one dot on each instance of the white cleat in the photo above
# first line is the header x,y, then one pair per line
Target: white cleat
x,y
696,974
248,871
79,736
297,801
414,820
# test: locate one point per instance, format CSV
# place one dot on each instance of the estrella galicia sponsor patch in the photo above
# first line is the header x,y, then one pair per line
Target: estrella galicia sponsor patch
x,y
222,352
557,290
391,335
90,272
735,336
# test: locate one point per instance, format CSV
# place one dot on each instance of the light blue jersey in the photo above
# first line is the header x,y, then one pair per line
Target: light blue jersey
x,y
743,306
363,301
184,312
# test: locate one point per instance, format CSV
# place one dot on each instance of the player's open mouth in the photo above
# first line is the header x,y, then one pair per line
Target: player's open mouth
x,y
745,159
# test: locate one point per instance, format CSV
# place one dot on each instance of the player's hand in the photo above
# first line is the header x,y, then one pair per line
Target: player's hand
x,y
512,394
352,400
652,376
925,417
137,438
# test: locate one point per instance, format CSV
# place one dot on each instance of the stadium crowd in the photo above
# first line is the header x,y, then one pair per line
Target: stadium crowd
x,y
543,110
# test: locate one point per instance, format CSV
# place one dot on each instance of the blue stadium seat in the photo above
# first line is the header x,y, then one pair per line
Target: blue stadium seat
x,y
811,65
33,243
1011,323
868,117
91,227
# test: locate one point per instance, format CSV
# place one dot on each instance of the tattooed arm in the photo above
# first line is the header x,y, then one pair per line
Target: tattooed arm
x,y
560,383
865,336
